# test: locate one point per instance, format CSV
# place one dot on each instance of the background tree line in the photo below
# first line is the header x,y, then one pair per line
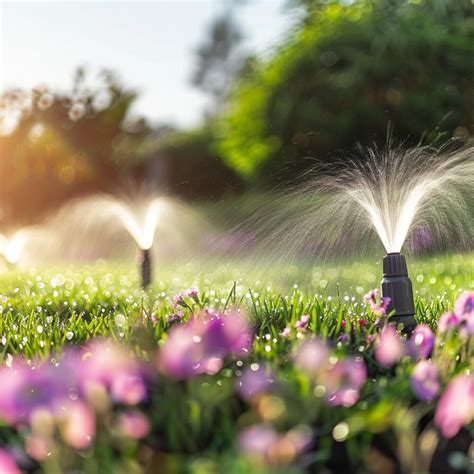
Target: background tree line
x,y
344,74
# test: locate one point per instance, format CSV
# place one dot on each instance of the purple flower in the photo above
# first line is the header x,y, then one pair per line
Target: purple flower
x,y
128,388
456,405
133,425
193,292
448,321
111,367
264,442
7,463
378,305
175,317
25,389
464,305
371,296
257,440
178,298
343,338
389,348
424,380
312,356
464,309
421,342
200,345
302,323
344,380
253,382
462,318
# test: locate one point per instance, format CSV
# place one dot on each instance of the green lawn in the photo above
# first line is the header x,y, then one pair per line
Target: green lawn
x,y
195,422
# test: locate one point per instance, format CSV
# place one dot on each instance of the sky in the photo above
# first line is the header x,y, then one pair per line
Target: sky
x,y
149,44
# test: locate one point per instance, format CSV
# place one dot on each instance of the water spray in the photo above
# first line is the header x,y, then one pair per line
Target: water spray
x,y
397,286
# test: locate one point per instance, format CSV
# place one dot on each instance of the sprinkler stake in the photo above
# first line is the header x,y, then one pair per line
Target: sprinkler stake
x,y
397,286
144,259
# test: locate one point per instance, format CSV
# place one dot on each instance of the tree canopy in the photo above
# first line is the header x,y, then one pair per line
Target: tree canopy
x,y
346,73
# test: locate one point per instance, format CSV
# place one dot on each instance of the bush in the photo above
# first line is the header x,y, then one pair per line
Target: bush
x,y
347,74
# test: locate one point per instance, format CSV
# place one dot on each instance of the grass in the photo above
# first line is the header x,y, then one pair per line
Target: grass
x,y
195,422
46,309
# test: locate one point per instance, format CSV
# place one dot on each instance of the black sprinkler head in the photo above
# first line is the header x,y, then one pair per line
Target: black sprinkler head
x,y
397,286
144,259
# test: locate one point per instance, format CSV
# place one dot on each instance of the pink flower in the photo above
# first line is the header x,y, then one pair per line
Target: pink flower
x,y
129,389
192,292
343,324
77,424
312,356
464,309
133,425
200,345
344,380
371,296
257,440
389,348
7,463
253,382
37,447
112,367
456,405
178,298
421,342
464,305
286,332
263,441
448,321
378,305
424,380
302,323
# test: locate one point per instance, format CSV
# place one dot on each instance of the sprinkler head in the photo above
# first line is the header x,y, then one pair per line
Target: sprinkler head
x,y
144,259
397,286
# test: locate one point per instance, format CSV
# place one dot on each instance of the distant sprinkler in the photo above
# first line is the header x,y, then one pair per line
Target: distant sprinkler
x,y
397,286
145,262
141,229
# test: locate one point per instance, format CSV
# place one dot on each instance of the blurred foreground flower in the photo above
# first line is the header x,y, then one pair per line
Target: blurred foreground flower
x,y
200,345
263,442
421,342
7,463
461,319
312,356
424,380
389,347
133,425
344,380
108,367
254,381
456,406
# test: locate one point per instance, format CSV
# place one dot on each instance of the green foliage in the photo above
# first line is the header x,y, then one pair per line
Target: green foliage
x,y
185,164
344,74
63,143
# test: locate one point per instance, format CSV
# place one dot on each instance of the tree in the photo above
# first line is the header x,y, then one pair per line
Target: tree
x,y
346,73
219,58
63,144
